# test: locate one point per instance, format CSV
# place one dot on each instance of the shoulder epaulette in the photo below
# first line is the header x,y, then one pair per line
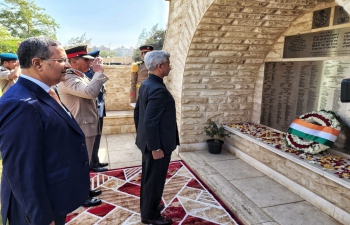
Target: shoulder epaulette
x,y
135,66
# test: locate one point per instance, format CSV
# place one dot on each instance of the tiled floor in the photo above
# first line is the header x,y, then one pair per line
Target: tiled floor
x,y
260,200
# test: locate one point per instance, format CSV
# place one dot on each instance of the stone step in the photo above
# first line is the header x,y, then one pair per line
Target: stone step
x,y
119,122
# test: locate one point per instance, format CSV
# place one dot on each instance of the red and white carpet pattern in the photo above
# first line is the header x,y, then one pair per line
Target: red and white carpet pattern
x,y
186,200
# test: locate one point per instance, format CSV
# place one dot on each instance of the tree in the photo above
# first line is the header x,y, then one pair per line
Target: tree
x,y
24,19
77,41
154,37
7,42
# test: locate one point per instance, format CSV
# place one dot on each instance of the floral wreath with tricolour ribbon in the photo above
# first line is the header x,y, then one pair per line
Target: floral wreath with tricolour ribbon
x,y
313,132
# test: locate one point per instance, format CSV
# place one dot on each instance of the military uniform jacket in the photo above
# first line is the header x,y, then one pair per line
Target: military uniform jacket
x,y
79,94
5,83
139,73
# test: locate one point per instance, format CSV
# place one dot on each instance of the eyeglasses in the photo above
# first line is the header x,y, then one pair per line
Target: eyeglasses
x,y
62,60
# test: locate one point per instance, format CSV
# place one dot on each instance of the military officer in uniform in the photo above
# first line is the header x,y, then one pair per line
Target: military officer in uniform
x,y
139,73
9,71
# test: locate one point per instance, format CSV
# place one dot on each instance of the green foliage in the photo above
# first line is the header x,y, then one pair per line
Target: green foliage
x,y
24,19
77,41
7,42
154,37
214,131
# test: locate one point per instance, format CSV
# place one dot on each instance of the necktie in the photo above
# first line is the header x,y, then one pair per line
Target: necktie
x,y
53,94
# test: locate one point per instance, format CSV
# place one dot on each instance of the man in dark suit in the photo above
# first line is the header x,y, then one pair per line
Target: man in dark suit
x,y
157,135
45,161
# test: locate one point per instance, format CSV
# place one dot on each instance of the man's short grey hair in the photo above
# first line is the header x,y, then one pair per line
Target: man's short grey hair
x,y
155,58
35,47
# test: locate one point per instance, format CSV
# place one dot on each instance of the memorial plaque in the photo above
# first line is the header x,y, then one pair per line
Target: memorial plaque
x,y
340,16
295,88
321,18
327,43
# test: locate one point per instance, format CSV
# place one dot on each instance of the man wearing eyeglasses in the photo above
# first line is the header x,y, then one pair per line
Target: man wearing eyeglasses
x,y
79,94
45,161
139,73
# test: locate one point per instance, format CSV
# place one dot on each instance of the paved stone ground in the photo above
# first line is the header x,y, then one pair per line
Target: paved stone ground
x,y
257,198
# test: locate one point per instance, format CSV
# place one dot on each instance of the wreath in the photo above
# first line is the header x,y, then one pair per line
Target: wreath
x,y
313,132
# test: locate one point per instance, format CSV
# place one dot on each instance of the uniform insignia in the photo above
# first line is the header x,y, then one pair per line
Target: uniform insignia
x,y
135,66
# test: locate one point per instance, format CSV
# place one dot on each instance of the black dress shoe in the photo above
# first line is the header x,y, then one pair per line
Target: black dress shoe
x,y
103,164
161,207
161,220
99,169
94,193
92,202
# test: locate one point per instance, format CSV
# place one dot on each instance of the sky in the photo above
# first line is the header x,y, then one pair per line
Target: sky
x,y
113,23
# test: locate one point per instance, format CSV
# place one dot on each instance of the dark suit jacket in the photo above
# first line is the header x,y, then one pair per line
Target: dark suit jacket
x,y
155,117
45,161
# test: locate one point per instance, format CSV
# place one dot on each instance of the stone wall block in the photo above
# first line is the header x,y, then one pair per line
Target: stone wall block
x,y
254,54
216,21
233,47
190,108
276,24
269,30
258,41
191,115
282,6
259,10
200,60
288,12
267,36
198,53
209,108
218,100
211,115
213,93
246,106
192,132
235,113
237,28
244,86
215,80
190,121
231,119
194,86
194,67
228,41
221,67
223,73
229,60
203,40
192,80
252,23
224,107
204,46
191,93
186,100
221,86
227,8
239,99
248,67
216,14
244,80
240,92
201,33
280,18
248,16
239,35
225,54
197,73
263,48
209,27
254,61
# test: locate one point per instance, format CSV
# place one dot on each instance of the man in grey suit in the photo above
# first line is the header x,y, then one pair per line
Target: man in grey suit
x,y
78,93
157,135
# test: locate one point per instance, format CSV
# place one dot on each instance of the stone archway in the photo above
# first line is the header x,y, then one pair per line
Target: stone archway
x,y
218,48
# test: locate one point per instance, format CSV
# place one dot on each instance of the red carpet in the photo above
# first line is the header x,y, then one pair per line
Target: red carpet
x,y
186,200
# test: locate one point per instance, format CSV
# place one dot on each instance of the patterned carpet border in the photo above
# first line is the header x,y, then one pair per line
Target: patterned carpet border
x,y
187,200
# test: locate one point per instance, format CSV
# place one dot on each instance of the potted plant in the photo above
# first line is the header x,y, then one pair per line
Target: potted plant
x,y
216,133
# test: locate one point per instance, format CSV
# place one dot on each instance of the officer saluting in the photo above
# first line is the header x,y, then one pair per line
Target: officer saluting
x,y
139,73
9,71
